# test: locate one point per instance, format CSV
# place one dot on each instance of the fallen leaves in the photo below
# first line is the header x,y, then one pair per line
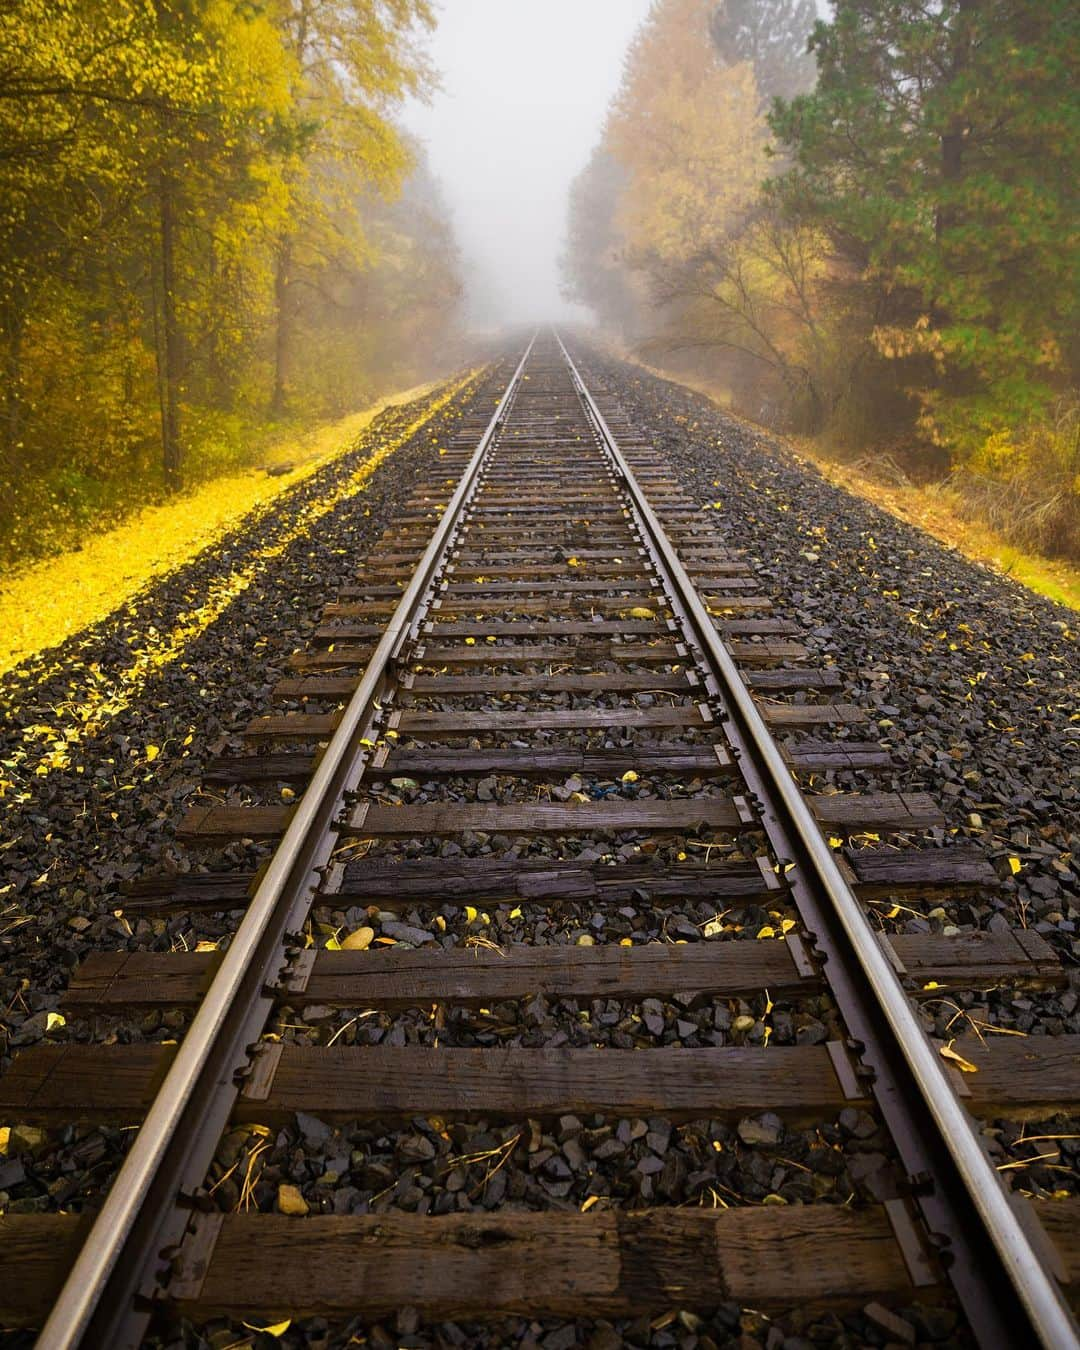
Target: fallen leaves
x,y
964,1065
359,940
290,1200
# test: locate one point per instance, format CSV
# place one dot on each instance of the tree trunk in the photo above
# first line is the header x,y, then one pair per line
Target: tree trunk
x,y
282,342
169,355
12,330
952,139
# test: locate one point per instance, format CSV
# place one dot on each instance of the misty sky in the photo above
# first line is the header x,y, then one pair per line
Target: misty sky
x,y
526,84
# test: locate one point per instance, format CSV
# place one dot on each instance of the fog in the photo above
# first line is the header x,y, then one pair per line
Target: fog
x,y
525,87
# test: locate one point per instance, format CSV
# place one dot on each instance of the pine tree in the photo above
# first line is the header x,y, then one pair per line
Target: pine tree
x,y
939,152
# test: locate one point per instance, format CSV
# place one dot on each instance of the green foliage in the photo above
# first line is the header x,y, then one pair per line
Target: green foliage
x,y
939,153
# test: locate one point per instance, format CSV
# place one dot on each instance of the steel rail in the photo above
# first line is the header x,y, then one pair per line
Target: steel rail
x,y
94,1307
1044,1316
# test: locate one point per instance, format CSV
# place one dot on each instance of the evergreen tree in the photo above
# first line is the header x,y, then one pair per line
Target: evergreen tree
x,y
939,152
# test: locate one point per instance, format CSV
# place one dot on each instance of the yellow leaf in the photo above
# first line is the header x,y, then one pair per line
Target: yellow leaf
x,y
470,914
640,612
359,940
786,925
574,562
766,931
290,1201
580,797
54,1020
629,776
834,842
516,912
933,984
964,1065
626,942
5,1140
287,794
1015,865
152,752
206,946
333,945
470,642
278,1329
588,1203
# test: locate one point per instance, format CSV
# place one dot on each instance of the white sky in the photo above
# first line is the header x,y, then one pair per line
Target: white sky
x,y
525,87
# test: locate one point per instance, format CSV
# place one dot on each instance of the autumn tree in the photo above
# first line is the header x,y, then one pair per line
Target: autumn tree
x,y
593,265
171,172
669,211
773,36
353,61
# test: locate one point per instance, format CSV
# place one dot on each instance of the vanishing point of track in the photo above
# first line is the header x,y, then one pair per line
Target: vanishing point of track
x,y
566,561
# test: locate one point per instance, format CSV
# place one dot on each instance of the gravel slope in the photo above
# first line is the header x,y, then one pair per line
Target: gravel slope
x,y
104,808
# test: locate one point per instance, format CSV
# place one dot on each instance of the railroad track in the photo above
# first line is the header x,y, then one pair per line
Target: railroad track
x,y
553,685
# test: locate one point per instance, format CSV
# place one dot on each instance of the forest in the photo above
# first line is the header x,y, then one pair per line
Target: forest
x,y
860,228
211,227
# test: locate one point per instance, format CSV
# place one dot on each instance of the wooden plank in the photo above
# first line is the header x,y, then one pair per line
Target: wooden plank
x,y
980,957
541,605
614,1263
886,811
469,723
756,627
806,755
321,726
1019,1075
695,761
789,681
208,824
1015,1077
342,658
570,584
611,681
117,1083
803,716
397,883
443,818
83,1082
709,761
190,890
508,628
847,812
766,653
881,873
431,654
278,768
36,1253
399,978
467,976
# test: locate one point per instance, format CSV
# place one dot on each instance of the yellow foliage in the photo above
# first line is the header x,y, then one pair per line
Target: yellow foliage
x,y
48,601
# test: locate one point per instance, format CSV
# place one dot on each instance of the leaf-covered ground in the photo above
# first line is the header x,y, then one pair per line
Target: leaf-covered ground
x,y
47,602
